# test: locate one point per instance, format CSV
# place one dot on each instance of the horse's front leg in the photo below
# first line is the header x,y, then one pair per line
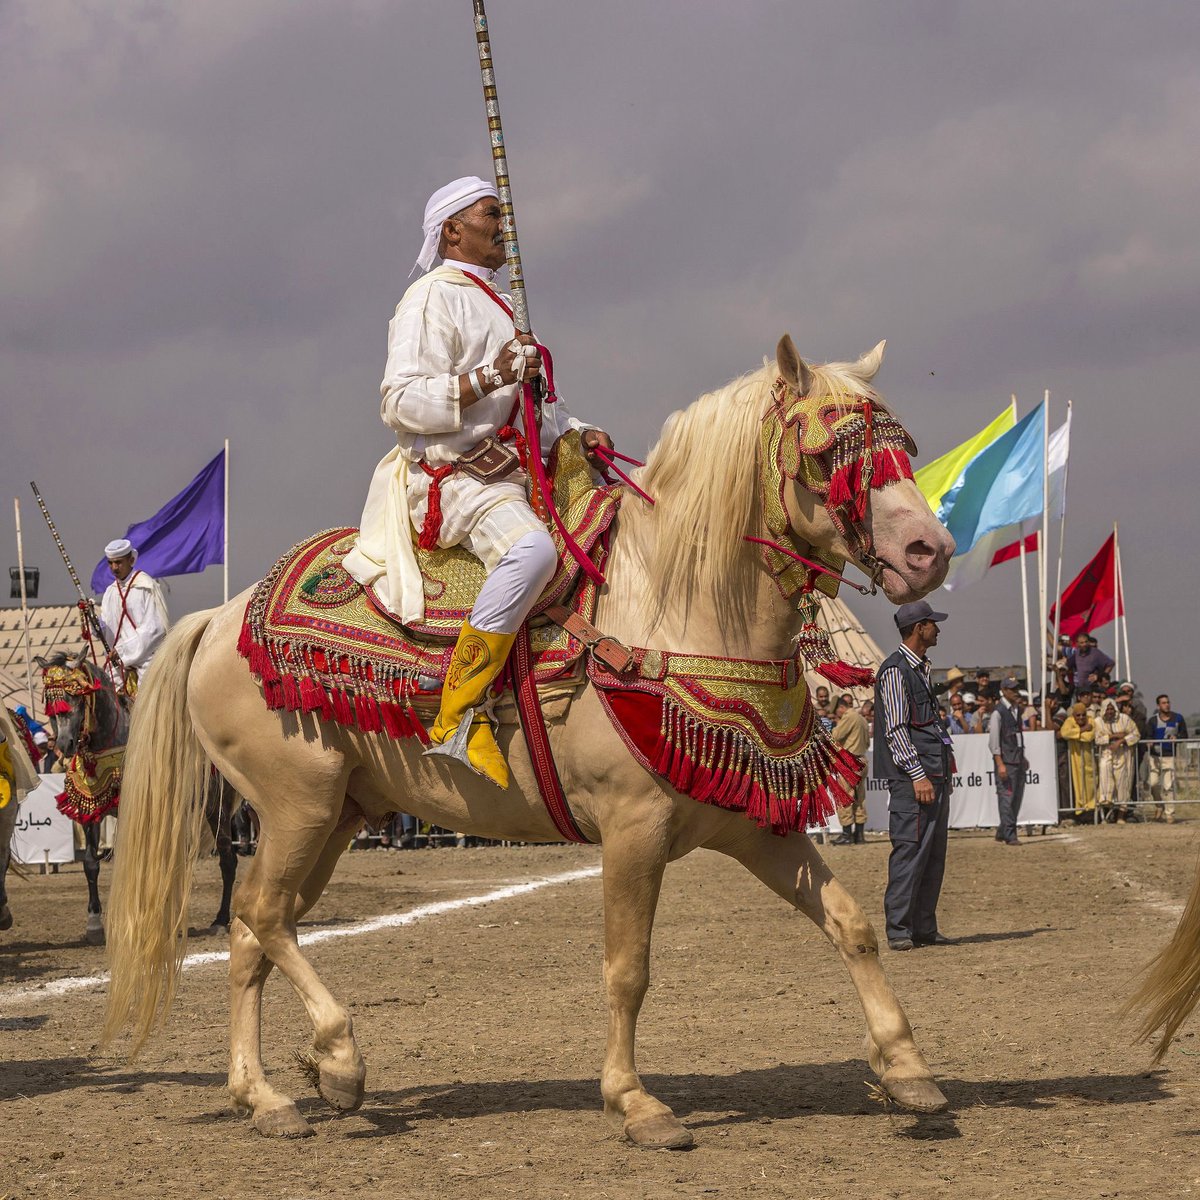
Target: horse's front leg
x,y
94,932
793,868
634,859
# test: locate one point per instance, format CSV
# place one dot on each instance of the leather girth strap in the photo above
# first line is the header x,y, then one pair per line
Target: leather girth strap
x,y
533,724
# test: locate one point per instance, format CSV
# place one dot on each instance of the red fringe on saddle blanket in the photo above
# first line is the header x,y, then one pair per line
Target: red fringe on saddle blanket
x,y
738,734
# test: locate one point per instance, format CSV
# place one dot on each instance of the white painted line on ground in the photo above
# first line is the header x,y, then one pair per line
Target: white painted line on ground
x,y
79,983
1149,896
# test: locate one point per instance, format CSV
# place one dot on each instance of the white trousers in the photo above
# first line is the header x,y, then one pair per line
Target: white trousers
x,y
514,583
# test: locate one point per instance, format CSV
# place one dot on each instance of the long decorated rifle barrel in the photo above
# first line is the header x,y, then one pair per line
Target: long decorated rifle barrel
x,y
85,601
512,248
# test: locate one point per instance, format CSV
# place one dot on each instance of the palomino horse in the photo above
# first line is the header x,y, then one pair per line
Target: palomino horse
x,y
1170,990
681,577
92,718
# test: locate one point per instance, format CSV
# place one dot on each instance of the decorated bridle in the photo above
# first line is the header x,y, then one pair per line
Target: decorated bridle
x,y
840,450
59,684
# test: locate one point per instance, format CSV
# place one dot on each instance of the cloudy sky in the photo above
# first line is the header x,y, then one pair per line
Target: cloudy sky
x,y
209,210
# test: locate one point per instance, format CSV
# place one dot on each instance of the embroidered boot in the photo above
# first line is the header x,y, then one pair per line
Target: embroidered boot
x,y
462,729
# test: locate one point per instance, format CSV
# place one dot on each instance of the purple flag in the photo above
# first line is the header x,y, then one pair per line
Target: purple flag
x,y
185,535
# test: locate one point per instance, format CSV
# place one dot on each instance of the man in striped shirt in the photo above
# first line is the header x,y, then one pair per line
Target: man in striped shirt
x,y
913,752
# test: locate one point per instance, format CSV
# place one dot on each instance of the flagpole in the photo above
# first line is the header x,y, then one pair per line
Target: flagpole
x,y
24,606
1024,590
1044,541
225,528
1120,604
1062,535
1116,606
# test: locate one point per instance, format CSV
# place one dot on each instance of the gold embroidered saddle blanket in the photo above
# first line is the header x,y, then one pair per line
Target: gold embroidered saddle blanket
x,y
320,643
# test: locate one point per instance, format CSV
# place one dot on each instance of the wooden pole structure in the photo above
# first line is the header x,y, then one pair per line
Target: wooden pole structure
x,y
24,607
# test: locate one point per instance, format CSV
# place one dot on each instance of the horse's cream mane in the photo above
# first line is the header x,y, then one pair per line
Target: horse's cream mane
x,y
704,473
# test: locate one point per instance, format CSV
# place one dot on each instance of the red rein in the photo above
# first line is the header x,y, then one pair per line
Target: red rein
x,y
812,566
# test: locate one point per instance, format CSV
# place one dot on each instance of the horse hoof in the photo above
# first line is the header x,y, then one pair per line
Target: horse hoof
x,y
6,918
342,1090
94,933
283,1122
663,1131
917,1095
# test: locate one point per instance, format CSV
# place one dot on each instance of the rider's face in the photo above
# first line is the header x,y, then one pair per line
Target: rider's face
x,y
121,567
474,235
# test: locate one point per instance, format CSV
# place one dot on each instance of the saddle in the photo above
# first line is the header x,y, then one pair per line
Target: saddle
x,y
322,643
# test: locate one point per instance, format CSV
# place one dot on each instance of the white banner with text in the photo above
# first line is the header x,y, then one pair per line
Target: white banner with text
x,y
43,834
973,802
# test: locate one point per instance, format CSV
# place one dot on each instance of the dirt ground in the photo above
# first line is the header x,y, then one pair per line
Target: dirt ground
x,y
483,1032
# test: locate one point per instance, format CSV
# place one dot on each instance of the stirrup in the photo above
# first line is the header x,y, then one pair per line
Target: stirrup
x,y
455,746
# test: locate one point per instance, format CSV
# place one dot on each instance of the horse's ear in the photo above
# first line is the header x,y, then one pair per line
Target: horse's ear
x,y
867,366
80,660
41,662
792,367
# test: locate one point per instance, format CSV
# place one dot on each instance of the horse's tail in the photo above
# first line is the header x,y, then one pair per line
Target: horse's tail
x,y
159,833
1171,987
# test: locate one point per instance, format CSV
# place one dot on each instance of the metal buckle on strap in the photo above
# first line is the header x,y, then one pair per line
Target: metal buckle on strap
x,y
609,652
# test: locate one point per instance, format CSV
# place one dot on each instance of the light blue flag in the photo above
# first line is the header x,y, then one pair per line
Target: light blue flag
x,y
1001,486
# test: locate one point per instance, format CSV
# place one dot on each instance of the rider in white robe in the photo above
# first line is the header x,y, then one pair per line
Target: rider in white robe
x,y
133,610
452,379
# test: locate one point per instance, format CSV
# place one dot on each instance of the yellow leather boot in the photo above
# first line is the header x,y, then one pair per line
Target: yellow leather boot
x,y
461,730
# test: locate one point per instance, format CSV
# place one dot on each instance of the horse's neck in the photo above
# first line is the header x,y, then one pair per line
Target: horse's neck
x,y
112,721
690,625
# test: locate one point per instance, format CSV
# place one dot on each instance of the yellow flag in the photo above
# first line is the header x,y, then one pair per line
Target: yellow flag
x,y
939,476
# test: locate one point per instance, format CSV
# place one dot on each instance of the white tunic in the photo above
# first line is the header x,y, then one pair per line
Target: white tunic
x,y
444,327
136,626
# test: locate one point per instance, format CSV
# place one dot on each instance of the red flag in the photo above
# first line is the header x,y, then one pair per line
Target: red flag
x,y
1090,599
1013,550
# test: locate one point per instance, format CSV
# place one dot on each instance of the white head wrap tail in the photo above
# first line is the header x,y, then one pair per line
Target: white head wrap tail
x,y
443,204
120,548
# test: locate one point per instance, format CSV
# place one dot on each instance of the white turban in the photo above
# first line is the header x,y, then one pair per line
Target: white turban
x,y
443,204
120,548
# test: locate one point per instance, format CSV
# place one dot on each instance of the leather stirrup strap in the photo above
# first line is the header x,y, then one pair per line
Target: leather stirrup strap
x,y
618,658
533,725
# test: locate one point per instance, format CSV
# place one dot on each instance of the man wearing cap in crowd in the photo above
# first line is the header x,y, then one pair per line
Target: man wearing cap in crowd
x,y
1006,744
133,612
450,388
913,752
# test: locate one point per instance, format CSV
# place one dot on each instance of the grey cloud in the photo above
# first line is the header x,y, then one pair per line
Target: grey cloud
x,y
208,212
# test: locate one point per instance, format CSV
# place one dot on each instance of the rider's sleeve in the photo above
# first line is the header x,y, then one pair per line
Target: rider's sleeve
x,y
420,382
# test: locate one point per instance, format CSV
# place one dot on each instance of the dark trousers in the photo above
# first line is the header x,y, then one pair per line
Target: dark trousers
x,y
918,859
1009,794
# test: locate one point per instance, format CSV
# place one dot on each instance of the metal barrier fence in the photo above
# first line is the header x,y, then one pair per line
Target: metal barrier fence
x,y
1154,782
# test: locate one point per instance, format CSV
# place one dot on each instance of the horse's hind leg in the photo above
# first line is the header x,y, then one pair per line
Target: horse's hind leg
x,y
793,869
634,859
221,799
340,1069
